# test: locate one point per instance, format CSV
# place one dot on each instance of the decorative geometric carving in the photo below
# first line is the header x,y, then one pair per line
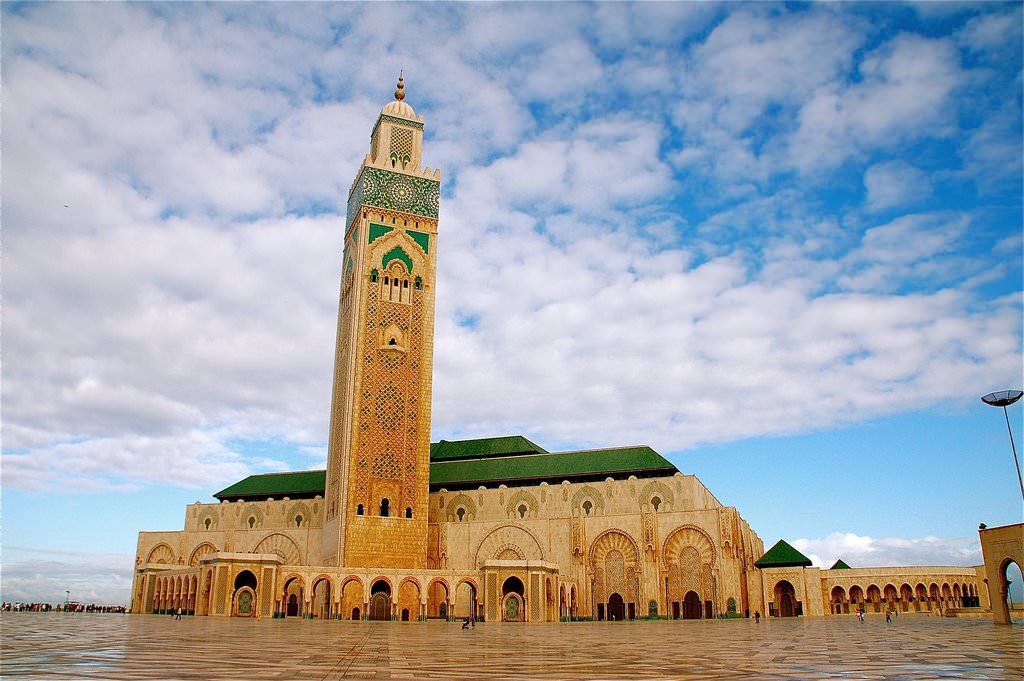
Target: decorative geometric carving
x,y
656,488
509,535
204,549
587,493
401,142
394,191
613,557
522,498
460,501
280,544
161,553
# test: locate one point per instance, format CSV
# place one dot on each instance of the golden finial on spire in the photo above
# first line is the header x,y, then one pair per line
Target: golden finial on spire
x,y
400,92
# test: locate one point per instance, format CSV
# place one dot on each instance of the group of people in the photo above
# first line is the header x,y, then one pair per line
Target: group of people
x,y
60,607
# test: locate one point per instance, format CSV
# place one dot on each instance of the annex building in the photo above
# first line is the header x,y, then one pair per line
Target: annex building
x,y
401,528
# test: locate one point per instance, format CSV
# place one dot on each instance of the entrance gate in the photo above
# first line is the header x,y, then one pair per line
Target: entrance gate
x,y
616,608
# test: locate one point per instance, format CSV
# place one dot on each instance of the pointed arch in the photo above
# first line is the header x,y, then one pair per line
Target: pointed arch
x,y
162,553
280,544
199,552
688,535
503,536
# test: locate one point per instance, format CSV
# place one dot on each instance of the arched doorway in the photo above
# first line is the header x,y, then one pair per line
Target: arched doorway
x,y
616,608
244,599
293,591
437,599
380,600
513,600
465,600
1009,593
839,602
785,599
352,598
322,598
691,606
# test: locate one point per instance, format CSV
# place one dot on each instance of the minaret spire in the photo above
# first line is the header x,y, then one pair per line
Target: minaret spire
x,y
400,92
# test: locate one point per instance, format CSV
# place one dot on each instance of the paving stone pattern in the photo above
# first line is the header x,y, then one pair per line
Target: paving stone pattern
x,y
100,646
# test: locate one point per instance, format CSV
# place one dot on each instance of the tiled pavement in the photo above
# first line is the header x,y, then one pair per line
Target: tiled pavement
x,y
101,646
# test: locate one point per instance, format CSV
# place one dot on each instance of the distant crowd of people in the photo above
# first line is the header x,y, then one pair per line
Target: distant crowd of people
x,y
60,607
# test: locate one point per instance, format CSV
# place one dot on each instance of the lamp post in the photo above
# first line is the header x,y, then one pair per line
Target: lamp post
x,y
1004,398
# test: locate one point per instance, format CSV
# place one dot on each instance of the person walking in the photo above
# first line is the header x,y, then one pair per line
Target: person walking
x,y
465,625
178,615
757,617
888,616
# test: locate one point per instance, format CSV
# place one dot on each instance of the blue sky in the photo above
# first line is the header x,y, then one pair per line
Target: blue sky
x,y
781,244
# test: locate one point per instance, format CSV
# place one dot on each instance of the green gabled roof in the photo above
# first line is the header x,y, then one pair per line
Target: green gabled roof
x,y
783,555
840,565
300,484
483,447
551,467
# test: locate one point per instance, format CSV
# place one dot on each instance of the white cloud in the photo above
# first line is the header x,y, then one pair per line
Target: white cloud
x,y
895,183
863,551
904,94
173,219
32,575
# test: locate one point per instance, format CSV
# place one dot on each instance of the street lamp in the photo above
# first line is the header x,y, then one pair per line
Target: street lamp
x,y
1004,398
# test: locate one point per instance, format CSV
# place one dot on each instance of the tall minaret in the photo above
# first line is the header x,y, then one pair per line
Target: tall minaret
x,y
378,460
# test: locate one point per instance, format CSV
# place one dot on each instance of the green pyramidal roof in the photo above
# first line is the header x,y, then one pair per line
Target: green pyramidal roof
x,y
783,555
840,565
483,447
641,461
466,464
300,485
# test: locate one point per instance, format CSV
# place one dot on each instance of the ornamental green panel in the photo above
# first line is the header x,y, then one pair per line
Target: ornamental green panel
x,y
398,253
421,238
394,191
377,231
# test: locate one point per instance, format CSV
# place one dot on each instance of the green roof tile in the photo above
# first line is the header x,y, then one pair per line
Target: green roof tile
x,y
306,483
483,447
783,555
840,565
557,466
471,463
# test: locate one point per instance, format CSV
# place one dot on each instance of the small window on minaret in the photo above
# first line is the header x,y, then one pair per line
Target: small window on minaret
x,y
207,523
359,509
522,510
656,502
392,342
373,276
385,281
418,284
587,506
298,521
461,513
408,512
385,508
405,283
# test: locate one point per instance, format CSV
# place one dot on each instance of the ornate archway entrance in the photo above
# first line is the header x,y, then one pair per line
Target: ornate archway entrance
x,y
380,601
513,601
616,608
691,606
244,601
785,599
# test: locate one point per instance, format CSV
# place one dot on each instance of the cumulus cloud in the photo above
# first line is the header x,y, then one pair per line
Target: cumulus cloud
x,y
895,183
626,239
32,575
863,551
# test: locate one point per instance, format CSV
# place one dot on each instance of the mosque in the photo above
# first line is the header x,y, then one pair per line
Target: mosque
x,y
399,528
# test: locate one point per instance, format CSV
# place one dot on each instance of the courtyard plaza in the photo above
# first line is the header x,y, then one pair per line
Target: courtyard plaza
x,y
58,646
